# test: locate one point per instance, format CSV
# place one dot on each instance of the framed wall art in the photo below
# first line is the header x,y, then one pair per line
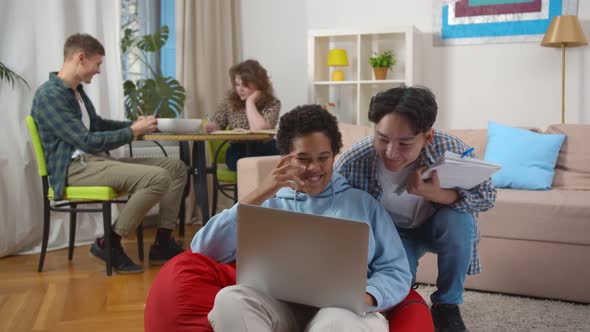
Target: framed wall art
x,y
462,22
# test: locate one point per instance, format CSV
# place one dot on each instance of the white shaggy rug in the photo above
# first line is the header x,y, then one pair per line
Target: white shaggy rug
x,y
498,312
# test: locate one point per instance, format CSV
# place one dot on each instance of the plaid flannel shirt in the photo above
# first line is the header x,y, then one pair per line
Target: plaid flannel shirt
x,y
59,120
359,166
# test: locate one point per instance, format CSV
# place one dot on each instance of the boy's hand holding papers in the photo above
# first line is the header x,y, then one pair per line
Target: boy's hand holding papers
x,y
456,171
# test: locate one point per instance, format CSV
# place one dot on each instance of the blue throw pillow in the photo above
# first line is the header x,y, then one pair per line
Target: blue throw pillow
x,y
528,159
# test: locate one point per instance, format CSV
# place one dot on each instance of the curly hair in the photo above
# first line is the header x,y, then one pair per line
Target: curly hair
x,y
250,72
82,42
304,120
416,104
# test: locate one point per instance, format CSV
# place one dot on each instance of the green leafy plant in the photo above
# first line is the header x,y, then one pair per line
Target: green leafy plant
x,y
6,74
155,95
385,59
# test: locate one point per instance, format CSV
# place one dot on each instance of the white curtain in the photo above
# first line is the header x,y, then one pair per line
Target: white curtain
x,y
32,34
206,47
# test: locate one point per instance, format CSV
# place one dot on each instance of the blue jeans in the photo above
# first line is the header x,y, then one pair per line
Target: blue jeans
x,y
449,234
238,151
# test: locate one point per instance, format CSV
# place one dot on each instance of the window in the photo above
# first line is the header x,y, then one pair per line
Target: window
x,y
168,52
144,17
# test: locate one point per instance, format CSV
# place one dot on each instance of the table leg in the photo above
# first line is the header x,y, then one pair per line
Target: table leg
x,y
184,156
200,178
248,149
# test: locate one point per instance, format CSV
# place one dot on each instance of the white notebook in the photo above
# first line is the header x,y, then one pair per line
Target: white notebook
x,y
455,171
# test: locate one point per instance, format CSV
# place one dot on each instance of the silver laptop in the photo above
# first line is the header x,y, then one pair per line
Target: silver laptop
x,y
302,258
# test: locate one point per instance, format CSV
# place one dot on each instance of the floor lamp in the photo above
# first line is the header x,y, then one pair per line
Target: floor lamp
x,y
564,31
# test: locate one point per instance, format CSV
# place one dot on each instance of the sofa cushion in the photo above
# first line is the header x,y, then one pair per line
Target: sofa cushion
x,y
555,215
528,159
573,165
478,138
475,138
352,134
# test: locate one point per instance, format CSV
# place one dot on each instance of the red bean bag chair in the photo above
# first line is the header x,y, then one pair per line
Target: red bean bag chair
x,y
184,290
412,314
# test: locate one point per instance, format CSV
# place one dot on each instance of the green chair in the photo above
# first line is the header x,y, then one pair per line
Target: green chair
x,y
74,196
224,179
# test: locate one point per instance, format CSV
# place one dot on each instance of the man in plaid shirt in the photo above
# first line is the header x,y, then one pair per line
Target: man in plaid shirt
x,y
76,141
428,217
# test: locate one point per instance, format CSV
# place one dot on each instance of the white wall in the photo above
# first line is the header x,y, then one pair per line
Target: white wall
x,y
274,32
516,84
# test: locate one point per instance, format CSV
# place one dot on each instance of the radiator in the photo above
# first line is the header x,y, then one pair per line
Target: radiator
x,y
148,149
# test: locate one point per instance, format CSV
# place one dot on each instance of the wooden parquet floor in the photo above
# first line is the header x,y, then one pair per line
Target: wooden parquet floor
x,y
76,295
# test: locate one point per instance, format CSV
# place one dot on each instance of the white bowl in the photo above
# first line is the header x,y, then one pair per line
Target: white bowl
x,y
179,126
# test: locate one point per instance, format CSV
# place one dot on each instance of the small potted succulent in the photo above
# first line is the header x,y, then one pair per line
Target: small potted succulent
x,y
381,63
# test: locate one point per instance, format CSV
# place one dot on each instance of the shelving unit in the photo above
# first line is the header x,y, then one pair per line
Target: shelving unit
x,y
352,96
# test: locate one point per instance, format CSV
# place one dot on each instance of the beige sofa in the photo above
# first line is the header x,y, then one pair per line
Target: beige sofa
x,y
534,243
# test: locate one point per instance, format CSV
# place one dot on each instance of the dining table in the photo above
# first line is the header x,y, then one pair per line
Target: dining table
x,y
197,162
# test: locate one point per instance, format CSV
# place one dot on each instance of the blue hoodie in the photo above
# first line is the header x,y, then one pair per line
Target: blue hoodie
x,y
388,275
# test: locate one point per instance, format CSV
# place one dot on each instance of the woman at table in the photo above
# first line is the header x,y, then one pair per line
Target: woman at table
x,y
251,104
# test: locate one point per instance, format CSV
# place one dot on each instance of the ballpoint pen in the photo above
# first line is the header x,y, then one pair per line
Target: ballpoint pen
x,y
468,151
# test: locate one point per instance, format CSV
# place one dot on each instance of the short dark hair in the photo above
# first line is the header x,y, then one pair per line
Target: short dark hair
x,y
304,120
416,104
82,42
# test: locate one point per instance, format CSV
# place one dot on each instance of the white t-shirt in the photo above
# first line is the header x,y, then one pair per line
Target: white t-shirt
x,y
406,210
85,121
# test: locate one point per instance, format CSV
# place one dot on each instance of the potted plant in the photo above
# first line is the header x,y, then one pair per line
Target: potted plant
x,y
155,95
6,74
381,63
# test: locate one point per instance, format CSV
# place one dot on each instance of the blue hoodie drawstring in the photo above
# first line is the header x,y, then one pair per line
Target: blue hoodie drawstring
x,y
333,198
333,212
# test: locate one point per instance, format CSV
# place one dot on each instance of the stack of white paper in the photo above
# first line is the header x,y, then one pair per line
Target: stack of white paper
x,y
455,171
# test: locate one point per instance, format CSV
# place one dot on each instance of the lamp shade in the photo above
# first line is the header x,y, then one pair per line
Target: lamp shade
x,y
337,57
564,31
